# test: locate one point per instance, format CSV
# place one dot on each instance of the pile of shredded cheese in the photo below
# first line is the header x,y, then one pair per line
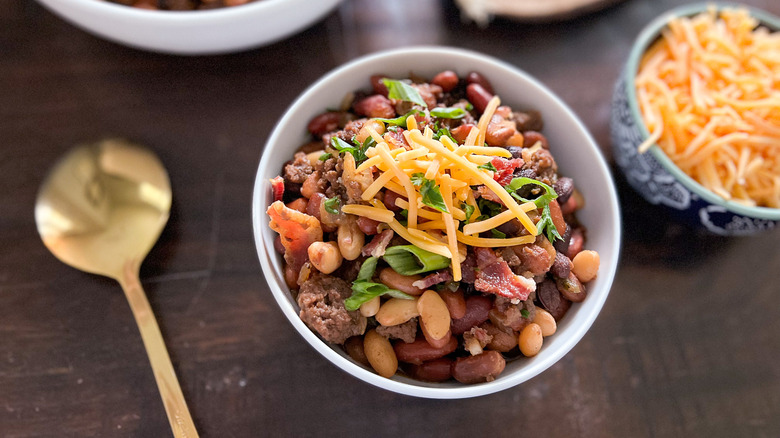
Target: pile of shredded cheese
x,y
454,168
709,93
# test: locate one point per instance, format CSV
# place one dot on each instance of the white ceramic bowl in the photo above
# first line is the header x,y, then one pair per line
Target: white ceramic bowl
x,y
222,30
575,151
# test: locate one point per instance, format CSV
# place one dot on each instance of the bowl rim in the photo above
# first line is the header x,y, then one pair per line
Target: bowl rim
x,y
195,16
648,35
273,279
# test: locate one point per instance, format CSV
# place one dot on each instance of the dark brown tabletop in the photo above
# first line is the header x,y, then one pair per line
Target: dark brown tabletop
x,y
688,343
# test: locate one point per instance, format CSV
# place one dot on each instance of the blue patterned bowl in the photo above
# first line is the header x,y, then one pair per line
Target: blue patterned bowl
x,y
653,174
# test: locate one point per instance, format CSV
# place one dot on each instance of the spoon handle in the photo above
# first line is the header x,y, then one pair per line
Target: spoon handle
x,y
172,397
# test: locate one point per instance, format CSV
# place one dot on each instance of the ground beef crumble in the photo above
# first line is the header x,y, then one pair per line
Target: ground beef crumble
x,y
321,299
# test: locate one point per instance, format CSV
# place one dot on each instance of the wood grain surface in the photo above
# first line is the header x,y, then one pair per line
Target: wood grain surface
x,y
687,345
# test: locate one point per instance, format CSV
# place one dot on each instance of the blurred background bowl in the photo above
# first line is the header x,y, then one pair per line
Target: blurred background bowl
x,y
575,152
201,32
653,174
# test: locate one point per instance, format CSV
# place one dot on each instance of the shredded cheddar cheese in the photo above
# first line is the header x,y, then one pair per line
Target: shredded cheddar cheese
x,y
709,93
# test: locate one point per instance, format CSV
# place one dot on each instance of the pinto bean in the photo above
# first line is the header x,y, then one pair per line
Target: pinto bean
x,y
447,80
404,283
502,341
298,205
375,106
478,96
354,348
434,315
368,226
436,370
586,265
421,351
477,309
476,78
380,354
484,367
455,302
531,137
396,311
571,288
561,266
324,123
325,256
530,340
311,185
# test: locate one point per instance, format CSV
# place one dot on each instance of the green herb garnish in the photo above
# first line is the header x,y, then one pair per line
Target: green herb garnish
x,y
449,113
547,226
468,209
417,179
325,156
488,208
520,182
403,91
525,313
333,205
363,289
443,132
497,234
400,120
488,166
430,192
411,260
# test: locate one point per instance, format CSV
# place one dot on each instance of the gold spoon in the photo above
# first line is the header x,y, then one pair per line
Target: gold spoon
x,y
100,210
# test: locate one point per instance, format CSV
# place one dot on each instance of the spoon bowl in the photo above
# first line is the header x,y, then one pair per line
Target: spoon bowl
x,y
100,210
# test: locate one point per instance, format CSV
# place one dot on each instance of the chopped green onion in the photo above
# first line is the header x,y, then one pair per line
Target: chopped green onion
x,y
363,291
525,313
449,113
325,156
403,91
487,166
411,260
400,120
498,234
367,269
520,182
332,205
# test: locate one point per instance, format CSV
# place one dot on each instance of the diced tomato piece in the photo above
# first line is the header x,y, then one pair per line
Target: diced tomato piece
x,y
505,169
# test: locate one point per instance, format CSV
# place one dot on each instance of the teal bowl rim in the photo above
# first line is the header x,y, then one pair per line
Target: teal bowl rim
x,y
647,36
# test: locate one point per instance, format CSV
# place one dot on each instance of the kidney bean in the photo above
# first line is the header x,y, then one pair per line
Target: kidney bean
x,y
315,201
502,341
477,309
563,187
557,216
576,242
455,302
278,244
404,283
559,312
531,137
478,96
461,132
435,343
571,288
290,276
389,200
375,106
436,370
570,206
476,78
447,80
484,367
421,351
561,266
354,348
311,185
379,86
499,133
368,226
324,123
528,120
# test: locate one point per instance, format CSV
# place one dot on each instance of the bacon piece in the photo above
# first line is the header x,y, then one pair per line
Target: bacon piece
x,y
496,277
488,194
378,244
505,169
435,278
277,185
297,230
467,268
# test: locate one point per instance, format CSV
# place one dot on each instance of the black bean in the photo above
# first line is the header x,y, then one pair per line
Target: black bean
x,y
564,187
516,151
561,267
562,246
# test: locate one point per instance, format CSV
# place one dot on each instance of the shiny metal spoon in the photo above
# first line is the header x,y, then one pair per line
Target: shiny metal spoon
x,y
100,210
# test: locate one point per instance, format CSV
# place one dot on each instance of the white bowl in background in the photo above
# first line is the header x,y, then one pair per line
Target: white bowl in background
x,y
212,31
577,156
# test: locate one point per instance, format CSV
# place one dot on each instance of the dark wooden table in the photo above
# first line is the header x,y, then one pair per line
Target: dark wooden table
x,y
688,343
